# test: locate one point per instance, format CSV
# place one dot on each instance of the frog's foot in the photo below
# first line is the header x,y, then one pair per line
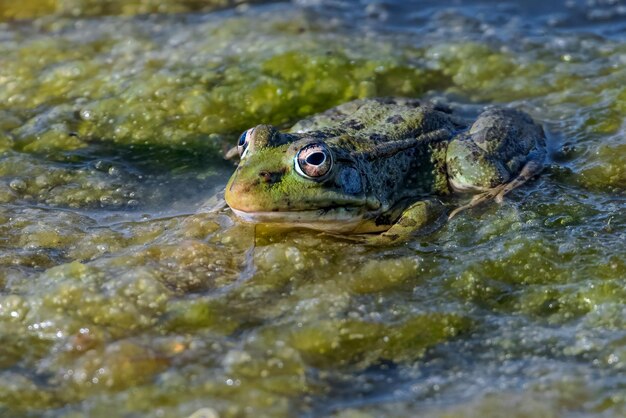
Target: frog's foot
x,y
422,217
497,193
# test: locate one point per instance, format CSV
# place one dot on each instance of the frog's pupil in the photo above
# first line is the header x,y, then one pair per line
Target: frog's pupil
x,y
317,158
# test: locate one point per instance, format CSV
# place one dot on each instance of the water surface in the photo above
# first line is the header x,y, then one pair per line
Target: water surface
x,y
121,290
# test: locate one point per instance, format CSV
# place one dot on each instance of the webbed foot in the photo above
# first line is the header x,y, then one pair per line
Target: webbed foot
x,y
422,217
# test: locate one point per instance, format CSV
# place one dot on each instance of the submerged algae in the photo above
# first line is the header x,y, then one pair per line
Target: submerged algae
x,y
120,288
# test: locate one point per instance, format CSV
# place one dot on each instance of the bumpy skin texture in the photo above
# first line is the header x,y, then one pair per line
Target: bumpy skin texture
x,y
494,150
388,158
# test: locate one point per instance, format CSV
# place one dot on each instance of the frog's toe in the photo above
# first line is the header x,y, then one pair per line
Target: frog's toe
x,y
500,196
497,193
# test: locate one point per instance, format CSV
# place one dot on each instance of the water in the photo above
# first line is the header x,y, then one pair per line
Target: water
x,y
122,290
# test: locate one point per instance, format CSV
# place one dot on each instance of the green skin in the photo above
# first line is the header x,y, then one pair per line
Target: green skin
x,y
388,159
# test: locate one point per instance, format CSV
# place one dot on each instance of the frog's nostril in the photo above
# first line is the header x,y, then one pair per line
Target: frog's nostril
x,y
268,177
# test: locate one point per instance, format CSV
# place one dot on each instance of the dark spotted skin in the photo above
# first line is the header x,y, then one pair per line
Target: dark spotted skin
x,y
391,158
494,150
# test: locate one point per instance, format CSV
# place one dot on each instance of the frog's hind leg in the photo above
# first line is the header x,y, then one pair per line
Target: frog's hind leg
x,y
530,169
502,150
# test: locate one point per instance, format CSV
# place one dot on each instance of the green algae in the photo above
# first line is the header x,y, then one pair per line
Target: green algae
x,y
166,102
120,288
36,8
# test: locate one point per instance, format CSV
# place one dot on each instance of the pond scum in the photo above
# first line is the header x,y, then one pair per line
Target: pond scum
x,y
122,294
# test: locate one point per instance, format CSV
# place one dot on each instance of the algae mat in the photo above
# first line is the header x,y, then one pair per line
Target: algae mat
x,y
123,294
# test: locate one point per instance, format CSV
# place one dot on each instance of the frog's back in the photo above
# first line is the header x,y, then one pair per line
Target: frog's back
x,y
384,119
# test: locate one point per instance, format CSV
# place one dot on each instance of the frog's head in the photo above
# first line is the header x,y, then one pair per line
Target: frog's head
x,y
296,179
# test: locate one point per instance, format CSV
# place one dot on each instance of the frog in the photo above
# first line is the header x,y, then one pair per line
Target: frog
x,y
379,168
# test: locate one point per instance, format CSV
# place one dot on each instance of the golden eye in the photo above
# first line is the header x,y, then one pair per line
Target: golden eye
x,y
244,140
314,161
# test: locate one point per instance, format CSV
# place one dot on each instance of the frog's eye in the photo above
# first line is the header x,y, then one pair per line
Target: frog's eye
x,y
314,161
244,140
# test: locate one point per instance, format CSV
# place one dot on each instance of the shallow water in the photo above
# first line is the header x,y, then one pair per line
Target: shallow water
x,y
122,290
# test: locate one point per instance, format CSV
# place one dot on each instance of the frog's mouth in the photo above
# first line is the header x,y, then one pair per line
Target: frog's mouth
x,y
336,219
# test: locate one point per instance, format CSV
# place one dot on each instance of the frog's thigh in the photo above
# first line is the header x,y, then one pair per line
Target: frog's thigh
x,y
530,169
422,216
471,168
